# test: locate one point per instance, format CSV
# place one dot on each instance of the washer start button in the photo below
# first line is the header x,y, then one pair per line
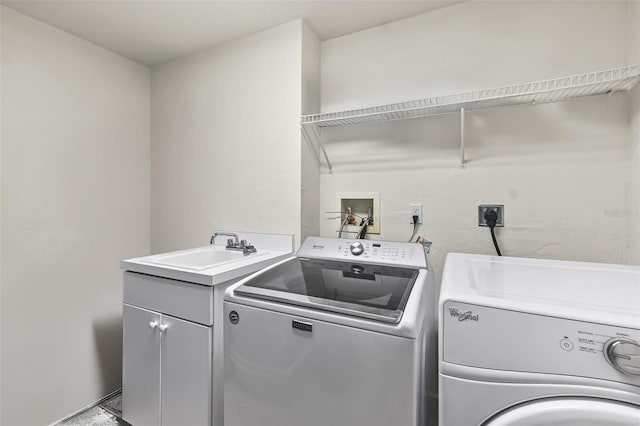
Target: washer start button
x,y
566,344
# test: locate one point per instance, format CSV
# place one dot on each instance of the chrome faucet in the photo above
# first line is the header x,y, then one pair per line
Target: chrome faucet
x,y
234,243
230,242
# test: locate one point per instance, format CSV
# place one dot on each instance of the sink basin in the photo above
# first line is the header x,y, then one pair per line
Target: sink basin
x,y
201,258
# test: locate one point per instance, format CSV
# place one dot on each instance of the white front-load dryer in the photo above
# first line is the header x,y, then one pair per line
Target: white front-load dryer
x,y
527,342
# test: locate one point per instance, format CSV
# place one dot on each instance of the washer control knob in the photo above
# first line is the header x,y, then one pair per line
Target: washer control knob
x,y
623,355
357,248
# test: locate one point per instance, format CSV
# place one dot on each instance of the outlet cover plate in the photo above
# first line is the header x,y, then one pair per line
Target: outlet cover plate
x,y
415,209
498,208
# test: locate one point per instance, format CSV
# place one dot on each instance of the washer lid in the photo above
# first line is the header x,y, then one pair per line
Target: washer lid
x,y
569,412
370,291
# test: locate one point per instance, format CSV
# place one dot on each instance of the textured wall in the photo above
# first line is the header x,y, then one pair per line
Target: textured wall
x,y
310,200
226,140
559,169
632,212
75,200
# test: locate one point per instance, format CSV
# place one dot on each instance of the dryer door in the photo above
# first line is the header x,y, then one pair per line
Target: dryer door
x,y
568,412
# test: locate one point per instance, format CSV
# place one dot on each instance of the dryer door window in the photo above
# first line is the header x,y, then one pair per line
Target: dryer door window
x,y
568,412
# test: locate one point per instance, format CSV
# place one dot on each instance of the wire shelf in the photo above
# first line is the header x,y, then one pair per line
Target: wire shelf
x,y
544,91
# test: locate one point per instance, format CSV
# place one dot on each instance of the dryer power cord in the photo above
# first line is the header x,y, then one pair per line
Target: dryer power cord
x,y
491,217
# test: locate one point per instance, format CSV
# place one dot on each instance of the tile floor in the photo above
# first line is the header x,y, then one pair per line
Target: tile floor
x,y
106,413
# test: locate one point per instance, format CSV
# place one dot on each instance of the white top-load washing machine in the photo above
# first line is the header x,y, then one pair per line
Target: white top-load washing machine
x,y
538,342
341,334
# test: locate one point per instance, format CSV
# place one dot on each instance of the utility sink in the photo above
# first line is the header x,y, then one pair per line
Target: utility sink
x,y
213,264
200,258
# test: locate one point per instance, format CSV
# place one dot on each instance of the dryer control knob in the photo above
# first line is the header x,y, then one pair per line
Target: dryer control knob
x,y
623,355
357,248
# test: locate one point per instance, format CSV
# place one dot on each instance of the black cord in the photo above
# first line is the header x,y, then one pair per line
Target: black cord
x,y
415,228
363,233
495,242
491,217
363,229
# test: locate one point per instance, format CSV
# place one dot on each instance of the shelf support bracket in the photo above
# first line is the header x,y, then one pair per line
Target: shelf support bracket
x,y
316,138
463,164
326,157
310,142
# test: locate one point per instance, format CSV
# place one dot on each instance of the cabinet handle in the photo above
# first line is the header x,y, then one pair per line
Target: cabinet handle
x,y
153,324
162,327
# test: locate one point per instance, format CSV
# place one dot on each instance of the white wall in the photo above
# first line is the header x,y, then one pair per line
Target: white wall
x,y
310,200
226,140
75,200
633,209
633,31
559,169
470,46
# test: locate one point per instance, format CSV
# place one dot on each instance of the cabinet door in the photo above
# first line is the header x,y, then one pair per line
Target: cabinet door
x,y
186,373
140,366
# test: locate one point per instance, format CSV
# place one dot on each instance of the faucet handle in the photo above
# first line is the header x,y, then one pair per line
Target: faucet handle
x,y
230,242
246,247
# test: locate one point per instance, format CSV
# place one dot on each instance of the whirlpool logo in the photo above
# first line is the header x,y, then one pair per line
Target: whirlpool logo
x,y
462,316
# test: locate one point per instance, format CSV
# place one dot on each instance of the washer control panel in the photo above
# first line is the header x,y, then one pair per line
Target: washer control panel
x,y
384,252
494,338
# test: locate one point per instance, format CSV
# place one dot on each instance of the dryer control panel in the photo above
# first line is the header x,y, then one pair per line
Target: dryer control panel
x,y
623,354
500,339
366,251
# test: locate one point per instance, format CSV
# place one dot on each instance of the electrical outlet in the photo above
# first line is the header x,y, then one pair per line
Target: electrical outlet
x,y
415,209
483,208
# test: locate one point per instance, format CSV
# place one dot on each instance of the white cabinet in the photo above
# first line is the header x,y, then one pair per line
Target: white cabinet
x,y
141,366
167,361
185,373
173,360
